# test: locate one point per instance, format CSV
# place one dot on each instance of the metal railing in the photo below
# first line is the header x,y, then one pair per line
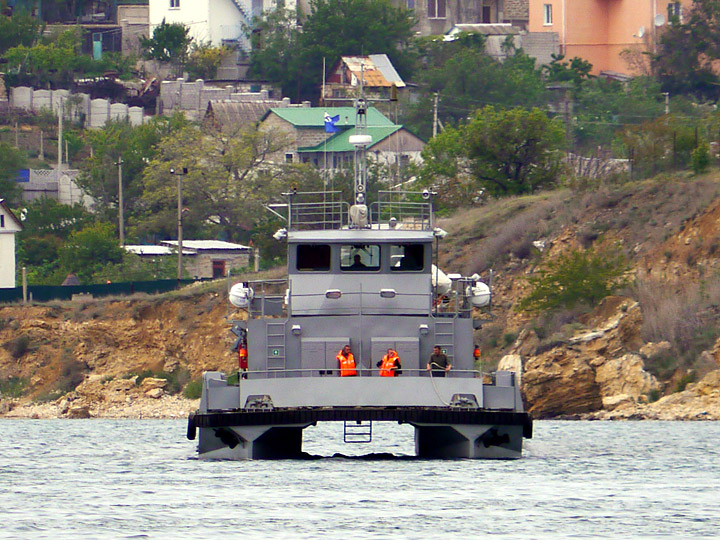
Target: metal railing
x,y
364,372
405,210
317,210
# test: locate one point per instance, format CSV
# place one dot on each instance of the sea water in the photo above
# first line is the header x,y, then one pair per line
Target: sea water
x,y
142,479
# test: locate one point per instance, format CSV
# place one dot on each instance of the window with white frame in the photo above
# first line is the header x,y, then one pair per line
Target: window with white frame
x,y
547,14
436,9
174,4
675,11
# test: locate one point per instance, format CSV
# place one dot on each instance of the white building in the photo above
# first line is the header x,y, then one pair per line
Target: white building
x,y
9,226
220,22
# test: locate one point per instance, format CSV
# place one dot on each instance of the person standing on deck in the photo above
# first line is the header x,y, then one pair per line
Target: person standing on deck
x,y
390,365
346,362
439,364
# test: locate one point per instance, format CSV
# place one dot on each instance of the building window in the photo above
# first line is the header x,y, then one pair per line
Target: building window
x,y
675,11
547,14
174,4
288,157
436,9
2,222
411,4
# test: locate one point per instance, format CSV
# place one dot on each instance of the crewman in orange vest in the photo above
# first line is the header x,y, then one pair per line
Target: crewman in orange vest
x,y
346,362
390,365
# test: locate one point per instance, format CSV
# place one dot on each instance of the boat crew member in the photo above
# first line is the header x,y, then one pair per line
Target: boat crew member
x,y
243,360
390,365
439,364
346,362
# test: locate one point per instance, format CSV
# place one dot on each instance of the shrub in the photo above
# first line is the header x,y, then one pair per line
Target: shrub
x,y
193,389
19,346
700,158
12,387
578,277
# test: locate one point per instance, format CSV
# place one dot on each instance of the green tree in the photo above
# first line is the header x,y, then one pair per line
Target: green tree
x,y
48,224
137,145
575,70
89,250
228,180
169,43
465,77
513,151
688,51
11,161
333,28
18,29
50,62
576,277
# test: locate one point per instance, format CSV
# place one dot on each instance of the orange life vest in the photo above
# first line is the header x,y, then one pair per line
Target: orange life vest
x,y
347,365
388,363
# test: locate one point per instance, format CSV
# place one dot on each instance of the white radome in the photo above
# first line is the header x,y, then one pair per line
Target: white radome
x,y
241,295
479,294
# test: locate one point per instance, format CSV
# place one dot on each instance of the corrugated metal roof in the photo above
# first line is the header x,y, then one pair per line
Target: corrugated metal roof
x,y
376,70
315,116
240,113
206,244
154,250
340,142
382,62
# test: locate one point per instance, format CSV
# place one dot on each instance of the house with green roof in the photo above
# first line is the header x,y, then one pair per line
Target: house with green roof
x,y
391,143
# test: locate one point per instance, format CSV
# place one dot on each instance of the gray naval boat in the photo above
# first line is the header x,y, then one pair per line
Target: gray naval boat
x,y
359,274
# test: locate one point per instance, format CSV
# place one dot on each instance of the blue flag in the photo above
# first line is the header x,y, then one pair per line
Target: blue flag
x,y
330,121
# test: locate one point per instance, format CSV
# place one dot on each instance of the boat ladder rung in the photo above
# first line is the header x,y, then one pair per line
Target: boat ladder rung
x,y
357,431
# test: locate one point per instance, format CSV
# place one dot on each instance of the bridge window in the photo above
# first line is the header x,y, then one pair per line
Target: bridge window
x,y
313,257
407,257
360,257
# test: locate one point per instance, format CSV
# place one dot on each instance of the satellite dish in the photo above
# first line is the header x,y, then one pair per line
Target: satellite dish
x,y
641,32
659,19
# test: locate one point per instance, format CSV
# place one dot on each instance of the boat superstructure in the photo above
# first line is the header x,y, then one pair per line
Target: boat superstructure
x,y
361,274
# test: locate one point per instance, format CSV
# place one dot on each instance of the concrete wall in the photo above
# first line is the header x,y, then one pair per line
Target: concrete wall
x,y
96,112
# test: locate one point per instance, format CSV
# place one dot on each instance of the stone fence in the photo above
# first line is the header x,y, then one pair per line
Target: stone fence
x,y
79,107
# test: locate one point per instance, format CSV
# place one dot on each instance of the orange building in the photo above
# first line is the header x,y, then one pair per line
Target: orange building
x,y
599,30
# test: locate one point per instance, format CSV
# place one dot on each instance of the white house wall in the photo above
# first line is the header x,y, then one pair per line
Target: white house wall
x,y
195,14
7,261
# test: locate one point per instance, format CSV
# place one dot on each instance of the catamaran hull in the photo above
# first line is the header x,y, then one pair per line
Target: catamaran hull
x,y
439,432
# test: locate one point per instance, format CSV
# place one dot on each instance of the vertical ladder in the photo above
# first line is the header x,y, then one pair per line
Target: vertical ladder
x,y
445,337
357,431
275,346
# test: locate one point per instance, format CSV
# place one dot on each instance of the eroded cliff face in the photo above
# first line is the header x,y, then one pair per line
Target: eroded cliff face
x,y
102,346
600,373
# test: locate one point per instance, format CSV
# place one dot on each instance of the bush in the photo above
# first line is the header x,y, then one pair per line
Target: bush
x,y
193,389
578,277
19,346
12,387
700,158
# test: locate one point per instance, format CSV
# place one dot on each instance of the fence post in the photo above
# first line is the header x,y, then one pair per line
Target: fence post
x,y
24,284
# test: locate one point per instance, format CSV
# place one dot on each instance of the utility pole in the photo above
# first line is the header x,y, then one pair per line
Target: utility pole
x,y
435,115
667,102
179,217
60,138
121,216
